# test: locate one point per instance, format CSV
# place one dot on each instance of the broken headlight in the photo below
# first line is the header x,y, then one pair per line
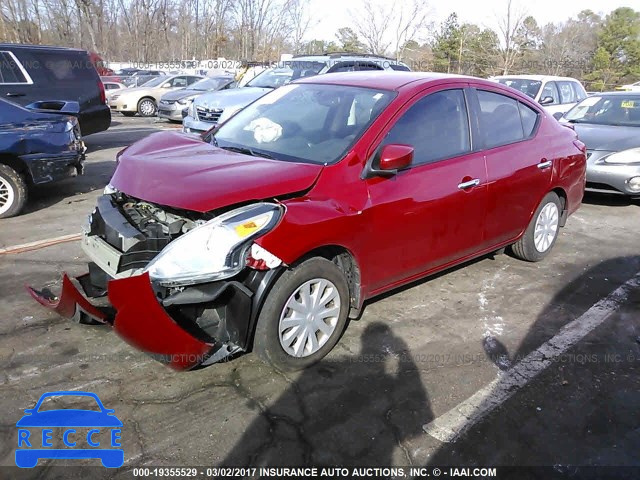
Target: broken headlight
x,y
214,250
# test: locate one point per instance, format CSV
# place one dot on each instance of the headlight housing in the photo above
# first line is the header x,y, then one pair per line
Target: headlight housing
x,y
213,250
186,100
625,157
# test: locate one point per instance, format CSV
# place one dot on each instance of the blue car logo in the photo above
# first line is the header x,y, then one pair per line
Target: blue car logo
x,y
102,427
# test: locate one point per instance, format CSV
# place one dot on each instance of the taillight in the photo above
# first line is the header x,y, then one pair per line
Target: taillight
x,y
103,94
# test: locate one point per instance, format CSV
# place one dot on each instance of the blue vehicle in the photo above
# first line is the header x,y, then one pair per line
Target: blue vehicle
x,y
31,449
39,143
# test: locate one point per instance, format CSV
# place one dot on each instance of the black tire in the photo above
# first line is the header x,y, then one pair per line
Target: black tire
x,y
13,192
144,102
266,340
525,248
128,114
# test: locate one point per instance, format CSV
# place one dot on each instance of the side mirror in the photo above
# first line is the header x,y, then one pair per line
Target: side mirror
x,y
166,85
546,101
393,157
557,115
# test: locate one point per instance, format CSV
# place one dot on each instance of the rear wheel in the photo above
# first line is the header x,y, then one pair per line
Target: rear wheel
x,y
147,108
542,232
303,315
13,192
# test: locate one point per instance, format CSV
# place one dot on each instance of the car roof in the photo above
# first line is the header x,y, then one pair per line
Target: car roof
x,y
39,47
387,80
616,94
541,78
343,55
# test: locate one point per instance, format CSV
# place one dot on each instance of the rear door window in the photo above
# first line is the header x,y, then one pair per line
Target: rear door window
x,y
10,69
178,82
567,92
63,66
504,120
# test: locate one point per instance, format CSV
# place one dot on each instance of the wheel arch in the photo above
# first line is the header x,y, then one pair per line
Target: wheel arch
x,y
16,163
347,263
146,97
562,195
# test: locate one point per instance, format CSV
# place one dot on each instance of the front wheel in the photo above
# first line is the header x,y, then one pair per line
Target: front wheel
x,y
147,108
303,315
13,192
542,232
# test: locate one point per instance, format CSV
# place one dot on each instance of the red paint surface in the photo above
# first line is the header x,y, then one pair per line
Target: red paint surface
x,y
142,322
177,170
68,301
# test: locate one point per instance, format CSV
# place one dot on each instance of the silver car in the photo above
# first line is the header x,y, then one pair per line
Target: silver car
x,y
173,103
609,125
143,100
207,110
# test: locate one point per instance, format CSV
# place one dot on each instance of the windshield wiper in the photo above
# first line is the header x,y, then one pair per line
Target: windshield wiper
x,y
248,151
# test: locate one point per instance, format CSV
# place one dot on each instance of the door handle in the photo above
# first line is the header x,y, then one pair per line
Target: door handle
x,y
471,183
15,94
544,164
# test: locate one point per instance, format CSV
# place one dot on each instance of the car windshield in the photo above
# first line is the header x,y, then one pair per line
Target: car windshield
x,y
620,110
528,87
289,71
154,82
210,83
303,122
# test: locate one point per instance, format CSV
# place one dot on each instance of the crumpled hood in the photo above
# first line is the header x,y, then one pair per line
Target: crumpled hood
x,y
608,137
182,171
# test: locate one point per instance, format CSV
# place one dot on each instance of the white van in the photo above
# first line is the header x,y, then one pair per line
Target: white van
x,y
555,94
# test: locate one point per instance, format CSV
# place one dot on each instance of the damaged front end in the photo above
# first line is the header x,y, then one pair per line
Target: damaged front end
x,y
182,286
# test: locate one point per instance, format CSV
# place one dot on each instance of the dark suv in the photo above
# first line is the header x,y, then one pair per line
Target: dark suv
x,y
30,73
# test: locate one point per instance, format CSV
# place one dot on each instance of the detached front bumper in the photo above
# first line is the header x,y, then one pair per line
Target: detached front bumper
x,y
165,327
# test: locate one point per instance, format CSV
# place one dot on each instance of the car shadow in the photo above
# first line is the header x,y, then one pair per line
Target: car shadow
x,y
609,199
118,138
96,176
347,411
582,409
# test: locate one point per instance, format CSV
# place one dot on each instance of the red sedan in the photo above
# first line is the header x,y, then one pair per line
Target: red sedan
x,y
268,232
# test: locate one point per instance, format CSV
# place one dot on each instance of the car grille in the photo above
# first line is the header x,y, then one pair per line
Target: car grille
x,y
209,114
114,97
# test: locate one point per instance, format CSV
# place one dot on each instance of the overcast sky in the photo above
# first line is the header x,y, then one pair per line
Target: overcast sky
x,y
334,14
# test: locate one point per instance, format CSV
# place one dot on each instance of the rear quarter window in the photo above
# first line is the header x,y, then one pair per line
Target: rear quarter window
x,y
529,118
64,66
10,71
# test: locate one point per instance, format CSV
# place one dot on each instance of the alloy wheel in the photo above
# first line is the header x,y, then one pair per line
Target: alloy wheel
x,y
546,227
7,195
